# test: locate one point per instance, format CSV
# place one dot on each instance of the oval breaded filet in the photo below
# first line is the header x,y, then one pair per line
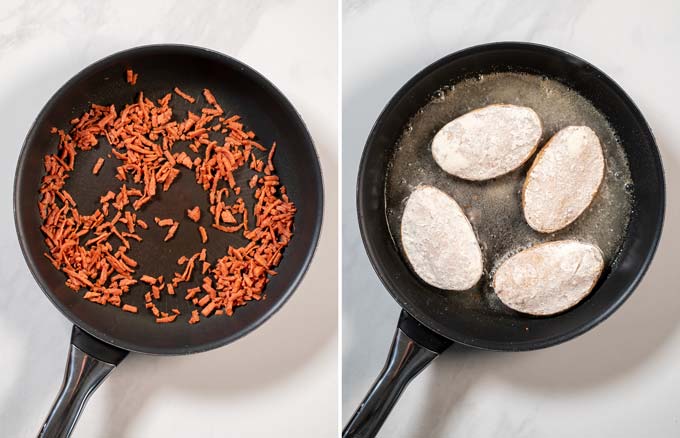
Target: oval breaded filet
x,y
487,142
548,278
439,241
563,180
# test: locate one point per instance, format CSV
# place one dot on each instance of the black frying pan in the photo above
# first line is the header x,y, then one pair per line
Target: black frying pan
x,y
424,330
103,335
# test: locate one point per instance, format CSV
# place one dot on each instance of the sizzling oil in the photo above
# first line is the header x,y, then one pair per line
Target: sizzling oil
x,y
494,206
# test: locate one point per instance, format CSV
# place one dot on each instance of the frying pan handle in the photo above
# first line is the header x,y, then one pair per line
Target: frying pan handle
x,y
89,362
414,346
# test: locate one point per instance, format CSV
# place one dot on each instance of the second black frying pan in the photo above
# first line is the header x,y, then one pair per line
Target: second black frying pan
x,y
103,335
432,319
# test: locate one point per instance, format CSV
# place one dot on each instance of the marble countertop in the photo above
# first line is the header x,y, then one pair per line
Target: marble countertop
x,y
290,388
619,380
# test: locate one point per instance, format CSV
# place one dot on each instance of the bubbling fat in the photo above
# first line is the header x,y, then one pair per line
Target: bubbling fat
x,y
494,206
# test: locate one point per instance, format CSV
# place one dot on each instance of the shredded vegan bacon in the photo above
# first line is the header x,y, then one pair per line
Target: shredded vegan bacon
x,y
129,308
171,231
97,166
164,222
203,233
166,319
194,214
183,95
93,251
209,97
148,279
131,77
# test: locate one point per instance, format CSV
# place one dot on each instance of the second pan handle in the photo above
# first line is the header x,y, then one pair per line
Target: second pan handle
x,y
89,362
414,346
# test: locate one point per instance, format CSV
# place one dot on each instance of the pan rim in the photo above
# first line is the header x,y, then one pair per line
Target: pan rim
x,y
390,284
181,349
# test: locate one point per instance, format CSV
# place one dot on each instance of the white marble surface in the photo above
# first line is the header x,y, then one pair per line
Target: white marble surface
x,y
621,379
290,387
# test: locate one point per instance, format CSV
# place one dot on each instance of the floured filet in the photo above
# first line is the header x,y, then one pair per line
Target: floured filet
x,y
563,180
487,142
439,241
548,278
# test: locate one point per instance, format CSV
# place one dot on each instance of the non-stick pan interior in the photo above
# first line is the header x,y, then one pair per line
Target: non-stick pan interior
x,y
239,90
474,321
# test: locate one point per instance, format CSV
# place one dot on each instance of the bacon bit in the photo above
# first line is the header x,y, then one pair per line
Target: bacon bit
x,y
176,311
203,301
129,220
66,197
194,317
182,260
132,236
128,261
184,159
228,229
142,224
204,234
171,231
206,266
270,163
91,295
97,166
172,174
227,217
209,97
129,308
202,255
131,77
166,319
155,292
168,156
186,275
207,286
253,182
184,96
191,293
148,279
207,310
194,214
164,222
